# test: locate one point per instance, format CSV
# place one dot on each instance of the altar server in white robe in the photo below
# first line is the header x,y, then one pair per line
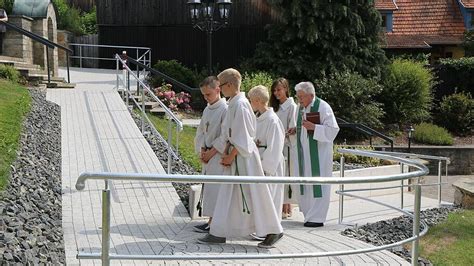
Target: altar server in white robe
x,y
270,139
315,153
207,133
286,109
241,209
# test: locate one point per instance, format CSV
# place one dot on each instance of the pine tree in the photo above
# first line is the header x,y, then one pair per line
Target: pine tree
x,y
315,38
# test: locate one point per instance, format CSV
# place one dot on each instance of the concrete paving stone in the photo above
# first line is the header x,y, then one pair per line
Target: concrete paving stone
x,y
98,134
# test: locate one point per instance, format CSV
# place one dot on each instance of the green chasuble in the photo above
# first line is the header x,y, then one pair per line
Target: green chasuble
x,y
313,151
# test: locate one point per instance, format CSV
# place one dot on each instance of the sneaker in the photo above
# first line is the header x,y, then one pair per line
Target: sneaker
x,y
203,228
210,239
270,241
284,215
256,237
311,224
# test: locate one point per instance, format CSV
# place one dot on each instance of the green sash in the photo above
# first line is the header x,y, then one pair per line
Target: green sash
x,y
313,151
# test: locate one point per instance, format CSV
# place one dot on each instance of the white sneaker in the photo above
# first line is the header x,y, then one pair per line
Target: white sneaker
x,y
256,237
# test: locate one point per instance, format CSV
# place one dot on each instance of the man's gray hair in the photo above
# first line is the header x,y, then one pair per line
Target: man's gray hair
x,y
306,87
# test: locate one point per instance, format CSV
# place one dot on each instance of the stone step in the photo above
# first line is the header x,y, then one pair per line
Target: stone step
x,y
60,85
158,111
149,105
10,58
44,77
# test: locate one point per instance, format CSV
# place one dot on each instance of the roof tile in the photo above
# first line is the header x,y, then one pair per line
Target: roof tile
x,y
424,22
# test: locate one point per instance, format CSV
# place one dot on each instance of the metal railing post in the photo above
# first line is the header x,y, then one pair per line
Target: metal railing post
x,y
402,170
341,188
67,64
439,182
128,87
143,111
170,140
177,137
105,227
47,64
416,224
80,56
117,74
149,61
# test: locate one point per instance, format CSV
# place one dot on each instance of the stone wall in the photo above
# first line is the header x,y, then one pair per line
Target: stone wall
x,y
462,157
64,39
46,28
16,44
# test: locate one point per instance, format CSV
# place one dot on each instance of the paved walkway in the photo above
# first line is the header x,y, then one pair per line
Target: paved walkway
x,y
98,134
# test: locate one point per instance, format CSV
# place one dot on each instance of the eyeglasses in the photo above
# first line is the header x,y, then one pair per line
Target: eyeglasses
x,y
220,86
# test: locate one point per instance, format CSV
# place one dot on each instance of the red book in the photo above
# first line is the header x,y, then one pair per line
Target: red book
x,y
314,118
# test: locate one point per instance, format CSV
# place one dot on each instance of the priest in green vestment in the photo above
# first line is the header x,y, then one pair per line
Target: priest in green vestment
x,y
315,152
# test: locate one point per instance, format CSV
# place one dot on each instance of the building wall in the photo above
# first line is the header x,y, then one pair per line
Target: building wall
x,y
16,44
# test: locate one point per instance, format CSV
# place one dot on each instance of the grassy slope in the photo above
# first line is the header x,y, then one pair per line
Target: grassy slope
x,y
451,242
14,104
186,140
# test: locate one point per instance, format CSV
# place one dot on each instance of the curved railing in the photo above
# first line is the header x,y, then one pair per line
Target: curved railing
x,y
421,170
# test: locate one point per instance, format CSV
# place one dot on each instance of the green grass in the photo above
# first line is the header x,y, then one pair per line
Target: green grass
x,y
14,104
451,242
186,140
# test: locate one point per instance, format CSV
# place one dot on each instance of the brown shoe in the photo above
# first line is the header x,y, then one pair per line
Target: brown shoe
x,y
270,240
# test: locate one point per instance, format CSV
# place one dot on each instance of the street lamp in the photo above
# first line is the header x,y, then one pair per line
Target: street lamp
x,y
202,15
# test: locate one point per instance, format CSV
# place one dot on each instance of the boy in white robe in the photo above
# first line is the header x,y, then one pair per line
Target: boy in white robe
x,y
269,140
206,135
315,153
286,109
241,209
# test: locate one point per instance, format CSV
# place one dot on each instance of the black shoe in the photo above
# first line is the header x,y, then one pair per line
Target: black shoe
x,y
311,224
270,240
210,239
203,228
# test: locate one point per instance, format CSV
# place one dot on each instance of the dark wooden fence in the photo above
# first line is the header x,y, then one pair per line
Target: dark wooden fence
x,y
165,26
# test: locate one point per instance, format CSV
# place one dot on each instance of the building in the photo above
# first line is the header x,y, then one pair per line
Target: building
x,y
426,26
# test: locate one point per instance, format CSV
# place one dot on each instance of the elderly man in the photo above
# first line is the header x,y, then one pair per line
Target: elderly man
x,y
315,149
3,29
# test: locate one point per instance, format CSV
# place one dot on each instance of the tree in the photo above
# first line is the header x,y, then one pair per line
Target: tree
x,y
319,37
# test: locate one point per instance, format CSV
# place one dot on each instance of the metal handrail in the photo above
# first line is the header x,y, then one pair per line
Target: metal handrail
x,y
365,130
44,41
145,88
147,60
428,157
167,78
106,256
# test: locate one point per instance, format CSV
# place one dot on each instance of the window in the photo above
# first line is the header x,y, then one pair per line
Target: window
x,y
384,22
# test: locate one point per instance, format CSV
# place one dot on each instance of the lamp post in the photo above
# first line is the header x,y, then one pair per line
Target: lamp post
x,y
202,15
410,131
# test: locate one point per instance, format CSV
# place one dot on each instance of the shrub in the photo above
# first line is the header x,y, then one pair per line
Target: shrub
x,y
69,18
9,72
407,92
89,22
454,75
431,134
175,70
352,98
457,113
7,5
356,159
173,100
250,80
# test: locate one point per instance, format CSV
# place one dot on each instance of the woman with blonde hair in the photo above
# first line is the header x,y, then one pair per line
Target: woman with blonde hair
x,y
286,109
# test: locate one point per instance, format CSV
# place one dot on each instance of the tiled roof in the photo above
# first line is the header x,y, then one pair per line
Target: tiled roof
x,y
385,5
468,3
422,23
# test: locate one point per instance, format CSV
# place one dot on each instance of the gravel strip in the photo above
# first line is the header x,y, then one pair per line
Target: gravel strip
x,y
397,229
30,223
